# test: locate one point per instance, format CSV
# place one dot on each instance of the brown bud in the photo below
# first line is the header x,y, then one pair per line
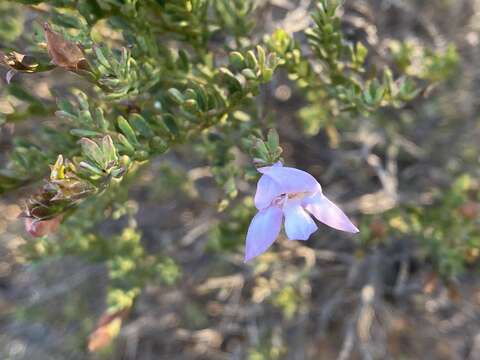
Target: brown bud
x,y
454,293
64,190
431,283
469,210
378,228
38,228
64,53
472,255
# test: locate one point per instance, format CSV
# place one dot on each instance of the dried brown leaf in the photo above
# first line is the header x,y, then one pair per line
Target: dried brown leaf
x,y
107,329
64,53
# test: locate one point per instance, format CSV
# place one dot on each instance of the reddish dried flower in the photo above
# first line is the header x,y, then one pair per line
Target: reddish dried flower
x,y
38,228
469,210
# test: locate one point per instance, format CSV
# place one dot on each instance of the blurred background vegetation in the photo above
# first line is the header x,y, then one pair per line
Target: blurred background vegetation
x,y
375,98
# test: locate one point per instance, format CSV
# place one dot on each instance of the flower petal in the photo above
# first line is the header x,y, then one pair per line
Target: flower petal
x,y
328,213
263,231
298,224
291,180
267,190
10,74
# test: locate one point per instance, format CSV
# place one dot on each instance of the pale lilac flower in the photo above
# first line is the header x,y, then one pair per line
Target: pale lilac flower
x,y
295,194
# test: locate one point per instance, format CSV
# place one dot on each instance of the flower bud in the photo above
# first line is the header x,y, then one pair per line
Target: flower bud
x,y
378,228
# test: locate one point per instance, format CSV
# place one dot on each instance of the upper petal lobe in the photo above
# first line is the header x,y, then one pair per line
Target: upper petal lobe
x,y
267,190
291,180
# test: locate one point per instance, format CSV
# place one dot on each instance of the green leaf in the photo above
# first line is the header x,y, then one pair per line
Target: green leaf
x,y
66,106
360,53
158,144
183,61
82,99
92,168
201,97
273,140
92,151
261,150
141,125
109,150
84,132
67,20
267,75
171,123
101,57
191,105
66,115
251,60
237,60
233,82
100,119
128,147
261,57
127,130
176,96
249,74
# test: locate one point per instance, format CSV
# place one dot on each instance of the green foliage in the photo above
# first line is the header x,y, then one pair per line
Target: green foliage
x,y
341,83
153,76
415,60
229,235
11,22
447,230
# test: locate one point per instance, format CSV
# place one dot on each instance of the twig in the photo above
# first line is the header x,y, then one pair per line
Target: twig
x,y
348,342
